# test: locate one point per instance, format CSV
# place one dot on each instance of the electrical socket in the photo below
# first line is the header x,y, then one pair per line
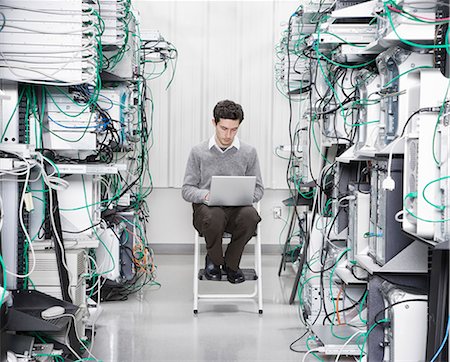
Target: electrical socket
x,y
276,212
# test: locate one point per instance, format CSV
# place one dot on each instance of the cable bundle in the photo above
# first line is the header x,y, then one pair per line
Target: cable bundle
x,y
48,42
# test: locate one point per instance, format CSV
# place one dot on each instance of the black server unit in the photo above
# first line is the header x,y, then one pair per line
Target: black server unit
x,y
438,302
386,238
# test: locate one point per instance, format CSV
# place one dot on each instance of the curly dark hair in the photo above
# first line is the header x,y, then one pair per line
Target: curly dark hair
x,y
228,110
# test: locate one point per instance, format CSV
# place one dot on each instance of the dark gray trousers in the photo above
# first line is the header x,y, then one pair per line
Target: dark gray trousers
x,y
213,221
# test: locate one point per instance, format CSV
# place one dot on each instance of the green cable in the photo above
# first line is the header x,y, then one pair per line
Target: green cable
x,y
412,17
345,41
365,123
343,65
316,49
406,72
310,338
366,335
341,106
423,46
331,292
95,231
315,140
440,207
326,207
5,281
413,195
363,300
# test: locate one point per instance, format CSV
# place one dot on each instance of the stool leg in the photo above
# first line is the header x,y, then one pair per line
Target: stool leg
x,y
259,270
196,264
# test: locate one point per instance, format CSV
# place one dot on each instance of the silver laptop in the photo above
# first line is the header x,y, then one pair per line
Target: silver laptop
x,y
231,191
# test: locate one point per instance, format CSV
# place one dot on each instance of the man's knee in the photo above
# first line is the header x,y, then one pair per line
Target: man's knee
x,y
212,217
248,216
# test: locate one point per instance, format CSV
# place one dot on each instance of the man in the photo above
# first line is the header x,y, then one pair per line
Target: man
x,y
223,155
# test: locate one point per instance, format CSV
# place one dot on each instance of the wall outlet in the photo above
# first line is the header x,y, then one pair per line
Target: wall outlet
x,y
276,212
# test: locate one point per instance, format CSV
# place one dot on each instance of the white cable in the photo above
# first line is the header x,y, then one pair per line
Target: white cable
x,y
78,31
55,185
44,11
398,214
318,349
96,270
350,197
98,307
76,333
388,182
22,224
345,344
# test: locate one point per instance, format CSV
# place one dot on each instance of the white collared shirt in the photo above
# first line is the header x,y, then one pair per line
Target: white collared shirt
x,y
212,142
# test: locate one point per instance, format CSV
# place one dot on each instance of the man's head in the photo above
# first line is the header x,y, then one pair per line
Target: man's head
x,y
227,118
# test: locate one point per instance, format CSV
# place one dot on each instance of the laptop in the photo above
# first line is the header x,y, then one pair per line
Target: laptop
x,y
231,191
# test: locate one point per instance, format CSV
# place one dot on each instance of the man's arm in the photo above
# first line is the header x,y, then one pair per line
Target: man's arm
x,y
190,190
254,170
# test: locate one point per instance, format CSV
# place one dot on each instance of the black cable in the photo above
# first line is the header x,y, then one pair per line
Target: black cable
x,y
322,288
355,276
397,303
291,154
347,308
81,231
425,109
298,339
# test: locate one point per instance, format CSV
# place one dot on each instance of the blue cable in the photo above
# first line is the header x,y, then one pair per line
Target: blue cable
x,y
71,127
110,101
436,355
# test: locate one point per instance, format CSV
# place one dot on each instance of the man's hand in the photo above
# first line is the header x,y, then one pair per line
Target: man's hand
x,y
207,197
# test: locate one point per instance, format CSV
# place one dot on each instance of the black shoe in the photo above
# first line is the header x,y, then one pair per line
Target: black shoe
x,y
212,271
234,277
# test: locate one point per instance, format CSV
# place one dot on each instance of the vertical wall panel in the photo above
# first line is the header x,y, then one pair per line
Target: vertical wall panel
x,y
226,50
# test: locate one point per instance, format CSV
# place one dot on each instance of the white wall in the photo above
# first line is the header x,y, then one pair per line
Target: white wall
x,y
226,51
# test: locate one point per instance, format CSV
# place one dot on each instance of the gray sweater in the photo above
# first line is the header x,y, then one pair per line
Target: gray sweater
x,y
203,163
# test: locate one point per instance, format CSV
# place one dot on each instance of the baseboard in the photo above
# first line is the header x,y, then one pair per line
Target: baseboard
x,y
188,249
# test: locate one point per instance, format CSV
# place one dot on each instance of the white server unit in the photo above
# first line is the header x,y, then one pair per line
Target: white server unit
x,y
124,59
337,125
393,64
311,153
405,28
386,238
45,277
9,100
358,220
116,101
81,212
312,299
420,168
443,227
48,41
9,190
406,334
71,123
108,254
367,89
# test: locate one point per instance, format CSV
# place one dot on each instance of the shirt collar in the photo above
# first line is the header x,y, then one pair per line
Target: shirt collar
x,y
212,142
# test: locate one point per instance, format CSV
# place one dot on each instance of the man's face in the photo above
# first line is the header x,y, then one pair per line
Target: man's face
x,y
226,130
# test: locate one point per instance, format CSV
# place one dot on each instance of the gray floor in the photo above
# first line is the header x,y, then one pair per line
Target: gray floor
x,y
160,326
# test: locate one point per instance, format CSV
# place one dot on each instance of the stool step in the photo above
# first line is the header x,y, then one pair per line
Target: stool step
x,y
250,274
